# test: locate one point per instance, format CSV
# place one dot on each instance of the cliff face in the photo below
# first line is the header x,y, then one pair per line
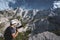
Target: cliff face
x,y
38,21
44,36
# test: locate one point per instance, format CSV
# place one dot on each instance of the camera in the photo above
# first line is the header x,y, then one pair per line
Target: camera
x,y
19,27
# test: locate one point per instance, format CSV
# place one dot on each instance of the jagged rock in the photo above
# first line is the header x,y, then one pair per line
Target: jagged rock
x,y
44,36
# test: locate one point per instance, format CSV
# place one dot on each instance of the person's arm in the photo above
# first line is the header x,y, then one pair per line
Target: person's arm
x,y
14,35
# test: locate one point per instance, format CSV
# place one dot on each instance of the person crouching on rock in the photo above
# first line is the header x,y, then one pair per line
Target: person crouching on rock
x,y
11,32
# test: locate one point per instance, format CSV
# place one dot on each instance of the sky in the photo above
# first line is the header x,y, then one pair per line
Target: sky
x,y
29,4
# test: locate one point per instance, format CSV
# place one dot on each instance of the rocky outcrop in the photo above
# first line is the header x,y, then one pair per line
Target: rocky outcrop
x,y
44,36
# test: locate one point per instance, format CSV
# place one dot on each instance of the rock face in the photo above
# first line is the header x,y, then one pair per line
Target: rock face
x,y
37,21
44,36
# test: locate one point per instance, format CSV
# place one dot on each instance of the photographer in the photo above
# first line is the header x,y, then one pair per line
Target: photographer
x,y
11,32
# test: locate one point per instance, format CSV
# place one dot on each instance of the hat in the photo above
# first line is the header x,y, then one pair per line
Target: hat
x,y
14,21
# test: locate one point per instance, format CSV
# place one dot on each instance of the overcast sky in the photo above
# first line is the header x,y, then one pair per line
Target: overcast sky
x,y
29,4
